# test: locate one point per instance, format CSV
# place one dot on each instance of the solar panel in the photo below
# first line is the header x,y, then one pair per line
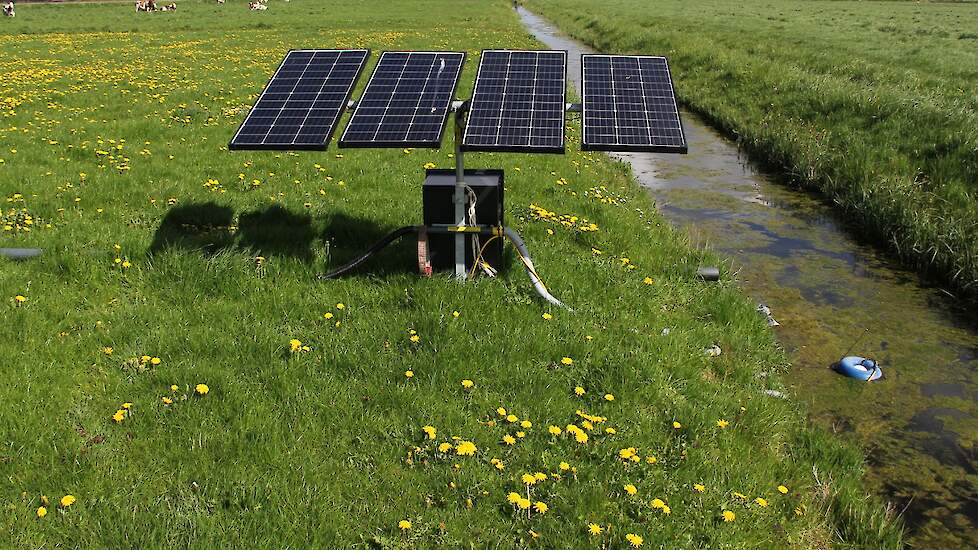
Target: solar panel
x,y
518,103
301,104
406,101
629,105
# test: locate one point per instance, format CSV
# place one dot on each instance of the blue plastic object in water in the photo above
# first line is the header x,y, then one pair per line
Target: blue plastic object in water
x,y
860,368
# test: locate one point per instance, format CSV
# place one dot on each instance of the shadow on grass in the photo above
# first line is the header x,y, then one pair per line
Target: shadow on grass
x,y
205,227
275,231
348,237
209,228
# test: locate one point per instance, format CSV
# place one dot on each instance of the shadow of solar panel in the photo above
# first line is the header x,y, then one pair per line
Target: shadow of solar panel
x,y
629,105
406,101
301,104
518,103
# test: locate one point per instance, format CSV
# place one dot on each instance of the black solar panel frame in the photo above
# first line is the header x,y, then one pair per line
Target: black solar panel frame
x,y
624,148
519,148
302,146
404,144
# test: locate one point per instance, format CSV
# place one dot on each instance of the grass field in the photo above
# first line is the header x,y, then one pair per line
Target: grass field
x,y
170,263
872,103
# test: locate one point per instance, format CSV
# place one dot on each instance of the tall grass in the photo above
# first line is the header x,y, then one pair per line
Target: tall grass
x,y
871,103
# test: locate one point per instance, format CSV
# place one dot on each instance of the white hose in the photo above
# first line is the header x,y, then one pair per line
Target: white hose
x,y
524,254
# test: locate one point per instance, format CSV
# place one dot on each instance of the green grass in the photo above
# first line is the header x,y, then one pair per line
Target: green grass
x,y
871,103
325,448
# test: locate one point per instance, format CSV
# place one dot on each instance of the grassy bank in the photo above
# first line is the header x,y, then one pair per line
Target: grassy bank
x,y
871,103
171,263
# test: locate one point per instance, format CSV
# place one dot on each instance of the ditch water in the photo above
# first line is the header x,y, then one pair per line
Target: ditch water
x,y
791,251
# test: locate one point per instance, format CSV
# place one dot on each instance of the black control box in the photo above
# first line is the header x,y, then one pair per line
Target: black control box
x,y
438,199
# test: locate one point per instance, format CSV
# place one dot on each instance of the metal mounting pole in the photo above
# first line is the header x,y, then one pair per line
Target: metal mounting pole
x,y
459,195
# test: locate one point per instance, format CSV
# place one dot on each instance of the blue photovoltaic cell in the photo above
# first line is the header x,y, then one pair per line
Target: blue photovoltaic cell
x,y
406,101
302,103
518,103
629,105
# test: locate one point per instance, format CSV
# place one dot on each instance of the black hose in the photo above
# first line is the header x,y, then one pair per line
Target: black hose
x,y
377,247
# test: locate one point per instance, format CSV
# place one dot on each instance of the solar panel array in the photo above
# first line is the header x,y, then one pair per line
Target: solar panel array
x,y
302,103
518,103
629,105
406,101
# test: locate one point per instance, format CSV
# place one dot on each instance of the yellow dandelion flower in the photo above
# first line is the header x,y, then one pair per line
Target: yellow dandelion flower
x,y
699,487
327,315
647,280
626,454
547,316
566,361
444,447
404,525
631,489
762,502
524,504
466,448
609,397
782,489
579,391
167,400
554,430
174,387
634,540
42,511
540,507
666,510
409,374
657,503
415,338
528,479
540,476
155,361
501,411
722,424
526,424
67,501
467,384
119,416
201,389
729,516
564,466
513,498
509,440
676,425
594,529
430,431
651,459
520,434
610,431
107,350
20,299
581,437
455,314
340,306
511,418
295,345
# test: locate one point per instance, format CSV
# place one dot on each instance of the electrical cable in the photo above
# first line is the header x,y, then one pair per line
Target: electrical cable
x,y
385,241
524,255
479,257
